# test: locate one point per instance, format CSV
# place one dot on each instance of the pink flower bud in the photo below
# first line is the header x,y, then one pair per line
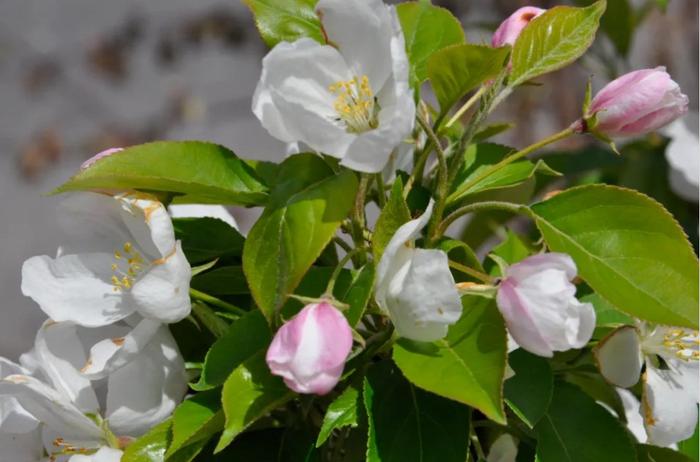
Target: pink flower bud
x,y
638,102
540,308
510,29
98,156
309,351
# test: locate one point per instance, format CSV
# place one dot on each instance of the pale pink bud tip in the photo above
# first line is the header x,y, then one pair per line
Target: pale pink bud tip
x,y
309,351
509,30
637,103
98,156
538,302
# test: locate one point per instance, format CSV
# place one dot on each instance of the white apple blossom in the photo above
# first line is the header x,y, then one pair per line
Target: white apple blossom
x,y
349,98
670,380
78,419
415,286
121,258
538,302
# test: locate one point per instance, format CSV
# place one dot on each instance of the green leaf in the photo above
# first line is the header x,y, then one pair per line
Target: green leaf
x,y
480,157
595,386
605,313
455,70
250,392
358,294
394,214
426,29
225,280
553,40
342,412
209,319
628,248
529,391
408,424
304,212
150,447
648,453
492,130
243,340
286,20
205,239
691,446
577,429
468,365
512,249
193,171
460,252
196,420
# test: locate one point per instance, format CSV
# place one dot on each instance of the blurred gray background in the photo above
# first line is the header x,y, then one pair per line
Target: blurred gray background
x,y
79,76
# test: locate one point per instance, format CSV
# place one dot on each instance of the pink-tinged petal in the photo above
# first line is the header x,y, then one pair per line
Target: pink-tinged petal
x,y
618,86
669,402
309,351
520,322
509,30
98,156
541,262
619,357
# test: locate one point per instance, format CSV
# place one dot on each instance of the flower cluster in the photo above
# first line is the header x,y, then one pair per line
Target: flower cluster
x,y
408,310
104,368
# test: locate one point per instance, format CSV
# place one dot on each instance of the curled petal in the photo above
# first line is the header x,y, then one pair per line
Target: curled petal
x,y
510,29
619,357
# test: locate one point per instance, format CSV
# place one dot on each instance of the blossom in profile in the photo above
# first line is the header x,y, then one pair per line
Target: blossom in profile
x,y
415,286
670,380
636,103
310,350
349,98
538,302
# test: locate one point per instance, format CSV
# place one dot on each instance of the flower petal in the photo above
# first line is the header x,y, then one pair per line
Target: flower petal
x,y
75,288
50,407
426,301
520,322
536,264
361,29
22,446
635,423
619,357
104,454
60,353
110,354
158,374
503,449
162,293
669,402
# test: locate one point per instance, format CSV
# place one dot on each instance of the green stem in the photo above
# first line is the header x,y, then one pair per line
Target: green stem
x,y
381,190
342,244
341,264
442,186
470,102
483,277
196,294
480,206
518,155
477,444
358,219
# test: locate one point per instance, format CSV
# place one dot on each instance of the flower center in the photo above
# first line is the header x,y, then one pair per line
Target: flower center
x,y
66,449
683,343
356,104
676,343
128,263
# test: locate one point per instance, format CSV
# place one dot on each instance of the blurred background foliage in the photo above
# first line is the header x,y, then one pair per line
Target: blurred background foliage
x,y
79,76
